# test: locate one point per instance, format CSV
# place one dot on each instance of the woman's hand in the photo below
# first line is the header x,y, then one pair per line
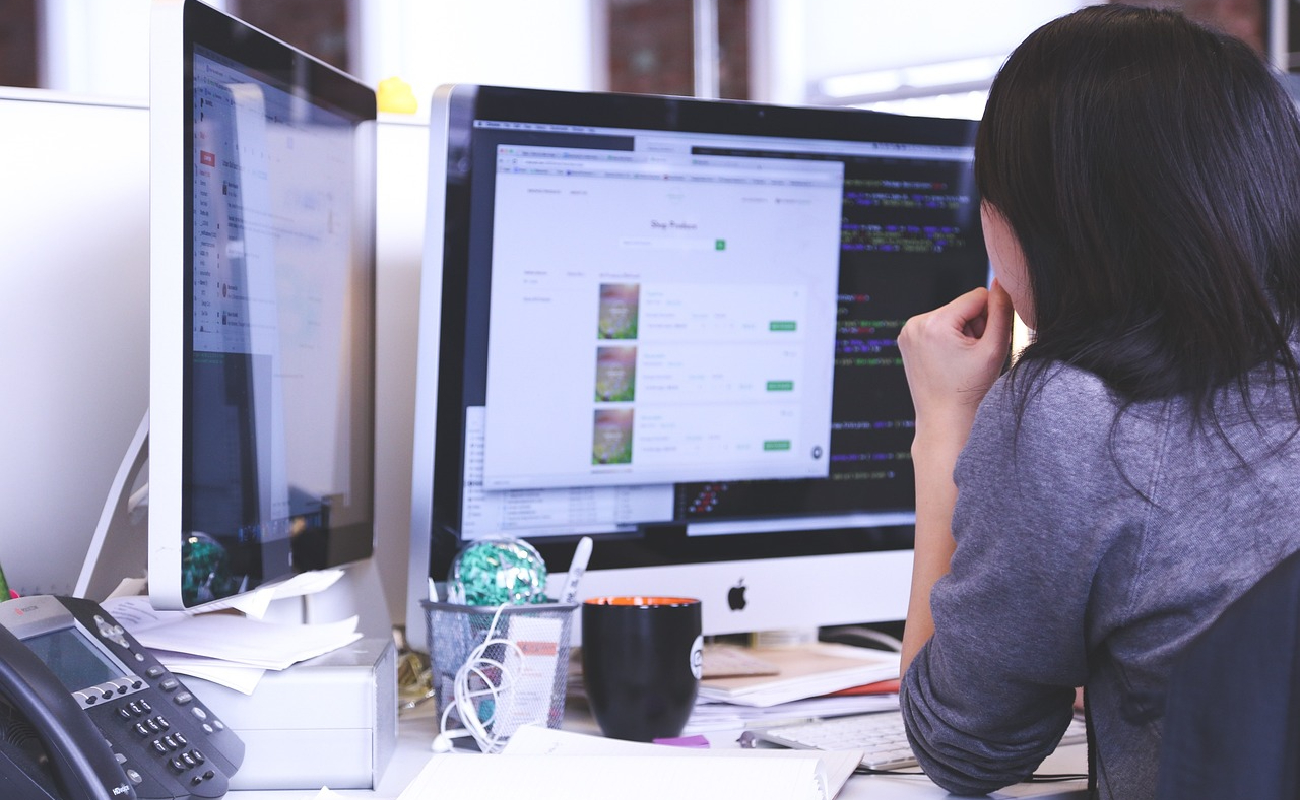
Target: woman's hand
x,y
952,355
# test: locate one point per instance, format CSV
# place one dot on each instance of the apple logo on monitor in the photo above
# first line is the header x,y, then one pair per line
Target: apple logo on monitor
x,y
736,596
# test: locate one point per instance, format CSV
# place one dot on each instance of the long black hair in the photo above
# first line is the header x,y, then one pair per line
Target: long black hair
x,y
1150,169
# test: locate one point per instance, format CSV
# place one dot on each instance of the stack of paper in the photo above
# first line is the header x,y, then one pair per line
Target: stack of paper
x,y
232,648
819,680
802,672
709,716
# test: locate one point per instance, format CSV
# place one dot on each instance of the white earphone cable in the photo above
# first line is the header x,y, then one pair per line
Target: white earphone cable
x,y
495,679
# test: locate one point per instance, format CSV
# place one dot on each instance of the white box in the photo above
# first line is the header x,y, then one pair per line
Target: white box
x,y
329,721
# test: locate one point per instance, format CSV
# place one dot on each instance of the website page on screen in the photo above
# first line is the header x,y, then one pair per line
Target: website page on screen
x,y
699,318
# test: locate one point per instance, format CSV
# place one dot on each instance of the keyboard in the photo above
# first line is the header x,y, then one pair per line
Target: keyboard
x,y
880,736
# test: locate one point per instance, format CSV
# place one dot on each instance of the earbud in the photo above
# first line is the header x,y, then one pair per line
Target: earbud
x,y
443,742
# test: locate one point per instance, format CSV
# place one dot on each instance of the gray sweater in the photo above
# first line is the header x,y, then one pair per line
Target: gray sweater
x,y
1090,550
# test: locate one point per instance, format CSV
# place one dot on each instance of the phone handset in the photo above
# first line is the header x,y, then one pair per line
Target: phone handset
x,y
83,764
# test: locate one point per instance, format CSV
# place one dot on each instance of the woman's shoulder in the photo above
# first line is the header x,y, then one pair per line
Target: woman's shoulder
x,y
1055,426
1036,393
1057,418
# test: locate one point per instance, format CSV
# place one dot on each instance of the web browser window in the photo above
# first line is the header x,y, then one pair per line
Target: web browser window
x,y
674,314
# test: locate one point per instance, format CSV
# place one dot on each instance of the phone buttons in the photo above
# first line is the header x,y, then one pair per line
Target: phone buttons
x,y
183,762
134,776
111,632
206,776
167,744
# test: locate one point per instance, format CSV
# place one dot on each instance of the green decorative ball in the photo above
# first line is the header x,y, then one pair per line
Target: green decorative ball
x,y
495,572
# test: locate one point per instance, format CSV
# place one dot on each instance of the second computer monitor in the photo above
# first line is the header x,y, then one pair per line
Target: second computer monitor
x,y
262,292
671,324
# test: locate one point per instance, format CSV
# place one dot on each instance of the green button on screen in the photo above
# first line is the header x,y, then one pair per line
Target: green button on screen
x,y
780,386
783,444
781,325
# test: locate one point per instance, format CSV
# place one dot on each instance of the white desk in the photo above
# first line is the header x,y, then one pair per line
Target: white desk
x,y
416,734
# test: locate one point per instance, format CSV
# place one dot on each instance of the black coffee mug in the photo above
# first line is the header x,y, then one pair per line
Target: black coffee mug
x,y
641,663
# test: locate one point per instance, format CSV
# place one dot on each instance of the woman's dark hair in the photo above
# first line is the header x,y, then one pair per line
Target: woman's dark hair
x,y
1150,169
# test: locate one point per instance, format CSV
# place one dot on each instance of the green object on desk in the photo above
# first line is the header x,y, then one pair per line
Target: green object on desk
x,y
497,572
4,586
206,573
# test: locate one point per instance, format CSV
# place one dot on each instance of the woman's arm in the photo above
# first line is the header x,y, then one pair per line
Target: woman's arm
x,y
951,355
988,695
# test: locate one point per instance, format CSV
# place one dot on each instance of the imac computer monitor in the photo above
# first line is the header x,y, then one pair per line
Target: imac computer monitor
x,y
670,324
262,285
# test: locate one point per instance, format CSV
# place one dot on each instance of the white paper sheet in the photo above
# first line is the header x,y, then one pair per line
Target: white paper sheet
x,y
601,777
834,768
248,641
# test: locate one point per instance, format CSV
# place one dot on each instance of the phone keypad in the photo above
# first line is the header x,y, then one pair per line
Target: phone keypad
x,y
170,746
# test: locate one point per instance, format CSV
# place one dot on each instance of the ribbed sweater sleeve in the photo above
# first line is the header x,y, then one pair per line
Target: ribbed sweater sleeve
x,y
990,694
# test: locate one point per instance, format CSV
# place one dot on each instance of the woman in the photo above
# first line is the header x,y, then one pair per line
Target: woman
x,y
1139,467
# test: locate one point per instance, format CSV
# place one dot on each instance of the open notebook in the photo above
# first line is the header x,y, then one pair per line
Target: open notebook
x,y
559,764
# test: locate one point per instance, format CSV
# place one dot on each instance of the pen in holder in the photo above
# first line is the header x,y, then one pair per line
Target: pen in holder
x,y
498,667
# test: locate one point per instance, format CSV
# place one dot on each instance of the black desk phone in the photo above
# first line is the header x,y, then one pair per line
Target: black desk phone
x,y
86,713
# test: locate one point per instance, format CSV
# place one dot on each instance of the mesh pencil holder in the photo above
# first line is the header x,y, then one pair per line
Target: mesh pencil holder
x,y
498,667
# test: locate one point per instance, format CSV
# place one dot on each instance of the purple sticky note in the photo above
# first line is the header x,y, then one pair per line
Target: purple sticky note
x,y
684,741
